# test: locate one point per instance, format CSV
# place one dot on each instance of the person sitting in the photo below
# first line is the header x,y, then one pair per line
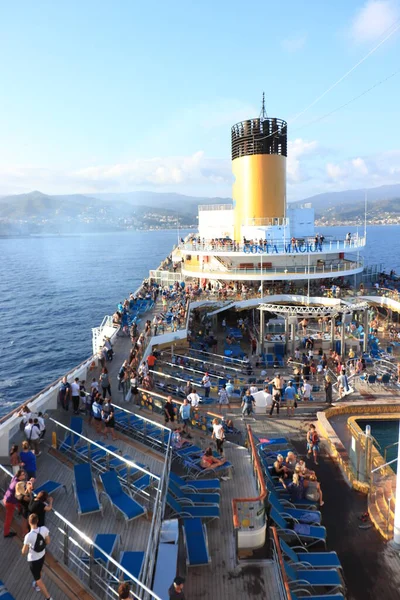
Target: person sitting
x,y
312,488
279,468
208,461
177,441
294,487
291,461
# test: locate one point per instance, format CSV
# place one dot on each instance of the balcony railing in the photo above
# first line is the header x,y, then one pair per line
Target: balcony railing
x,y
321,269
303,246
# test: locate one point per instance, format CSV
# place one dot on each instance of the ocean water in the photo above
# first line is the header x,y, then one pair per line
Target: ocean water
x,y
53,290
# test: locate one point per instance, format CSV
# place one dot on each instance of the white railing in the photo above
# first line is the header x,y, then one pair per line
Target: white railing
x,y
202,207
81,541
274,247
107,328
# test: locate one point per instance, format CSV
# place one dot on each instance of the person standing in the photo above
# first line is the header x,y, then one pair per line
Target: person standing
x,y
105,382
39,505
75,391
223,398
32,434
28,460
206,385
276,402
169,411
35,543
15,459
277,384
194,399
247,404
184,413
290,396
306,389
328,389
218,435
176,592
313,443
64,393
10,502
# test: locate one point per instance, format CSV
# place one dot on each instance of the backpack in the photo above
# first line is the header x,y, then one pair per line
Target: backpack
x,y
40,543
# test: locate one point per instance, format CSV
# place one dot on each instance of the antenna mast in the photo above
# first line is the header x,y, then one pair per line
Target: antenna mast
x,y
263,113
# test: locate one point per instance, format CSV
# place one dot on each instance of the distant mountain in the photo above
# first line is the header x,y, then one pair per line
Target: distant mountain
x,y
321,202
172,201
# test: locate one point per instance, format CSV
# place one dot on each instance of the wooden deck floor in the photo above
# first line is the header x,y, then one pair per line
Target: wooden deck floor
x,y
223,578
15,573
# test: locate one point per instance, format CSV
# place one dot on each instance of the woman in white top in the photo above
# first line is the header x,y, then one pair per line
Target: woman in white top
x,y
219,435
223,398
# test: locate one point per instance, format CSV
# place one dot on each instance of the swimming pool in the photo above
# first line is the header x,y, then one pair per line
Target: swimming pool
x,y
385,433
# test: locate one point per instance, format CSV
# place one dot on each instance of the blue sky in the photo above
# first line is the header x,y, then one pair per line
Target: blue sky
x,y
126,95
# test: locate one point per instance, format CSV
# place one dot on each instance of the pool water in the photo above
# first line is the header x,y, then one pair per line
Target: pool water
x,y
385,433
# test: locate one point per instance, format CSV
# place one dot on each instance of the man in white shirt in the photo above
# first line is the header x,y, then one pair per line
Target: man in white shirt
x,y
32,433
35,543
306,389
75,395
253,389
206,384
193,399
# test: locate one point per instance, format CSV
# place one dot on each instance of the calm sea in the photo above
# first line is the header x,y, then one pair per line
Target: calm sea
x,y
53,290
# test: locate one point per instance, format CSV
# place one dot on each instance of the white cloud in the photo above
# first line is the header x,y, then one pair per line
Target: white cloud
x,y
360,166
294,44
375,17
179,172
369,171
298,148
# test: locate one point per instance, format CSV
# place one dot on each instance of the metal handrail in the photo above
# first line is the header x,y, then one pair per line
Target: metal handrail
x,y
276,547
213,364
239,360
385,465
88,540
386,448
261,482
191,369
129,463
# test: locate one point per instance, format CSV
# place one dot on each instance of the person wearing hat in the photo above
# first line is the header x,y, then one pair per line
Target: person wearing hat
x,y
176,592
206,385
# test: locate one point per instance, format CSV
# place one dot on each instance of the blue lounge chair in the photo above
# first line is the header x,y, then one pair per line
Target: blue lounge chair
x,y
188,498
107,542
132,562
314,578
120,499
85,490
300,515
50,487
206,485
76,425
196,542
202,511
195,469
4,593
308,535
314,560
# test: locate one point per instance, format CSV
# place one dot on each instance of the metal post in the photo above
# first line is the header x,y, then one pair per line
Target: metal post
x,y
91,565
342,339
333,332
66,545
396,536
365,326
261,334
